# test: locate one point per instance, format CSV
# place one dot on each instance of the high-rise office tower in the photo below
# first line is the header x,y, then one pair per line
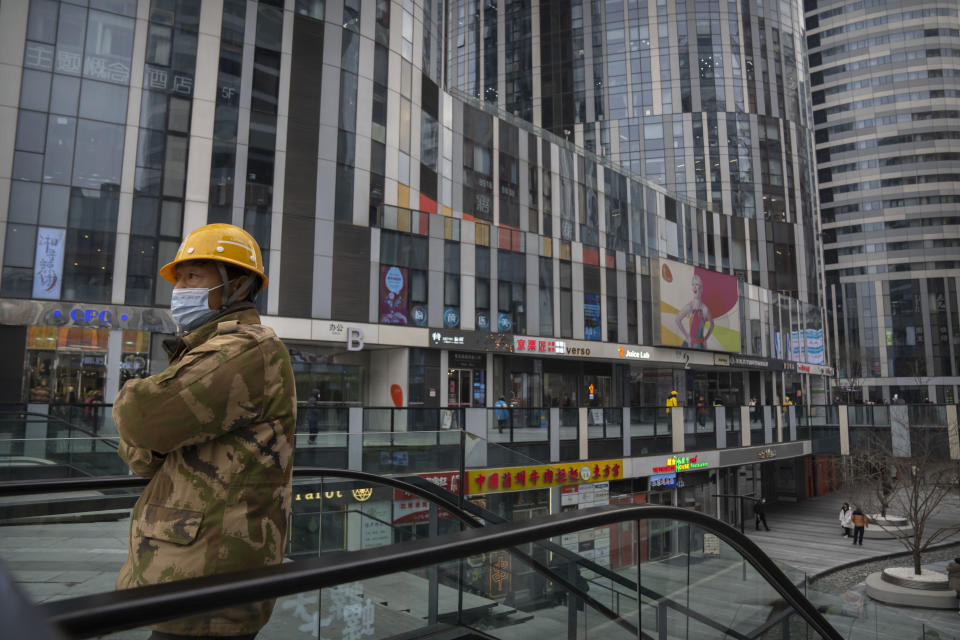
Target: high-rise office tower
x,y
886,103
567,203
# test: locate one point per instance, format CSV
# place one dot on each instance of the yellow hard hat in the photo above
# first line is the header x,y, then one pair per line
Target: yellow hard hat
x,y
673,393
220,242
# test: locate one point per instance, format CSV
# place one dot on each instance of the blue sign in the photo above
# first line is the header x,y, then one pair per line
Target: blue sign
x,y
504,323
591,317
419,316
483,321
663,480
451,317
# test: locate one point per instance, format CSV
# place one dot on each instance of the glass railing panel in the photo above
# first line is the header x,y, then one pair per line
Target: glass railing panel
x,y
313,420
706,590
506,424
59,455
569,423
481,453
927,415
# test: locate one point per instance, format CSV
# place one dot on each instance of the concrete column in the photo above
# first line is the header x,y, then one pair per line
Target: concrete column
x,y
767,424
554,434
792,415
900,430
953,434
676,419
355,439
114,356
745,426
778,411
844,430
444,382
625,431
720,425
583,433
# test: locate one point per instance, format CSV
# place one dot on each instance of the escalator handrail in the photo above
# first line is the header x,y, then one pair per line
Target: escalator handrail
x,y
103,613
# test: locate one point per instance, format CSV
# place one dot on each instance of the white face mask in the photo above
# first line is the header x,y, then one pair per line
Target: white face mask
x,y
191,307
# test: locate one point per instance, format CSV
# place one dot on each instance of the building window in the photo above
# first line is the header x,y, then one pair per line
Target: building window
x,y
403,278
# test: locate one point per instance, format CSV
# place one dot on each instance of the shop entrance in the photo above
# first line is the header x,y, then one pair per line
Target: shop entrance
x,y
466,388
466,379
66,365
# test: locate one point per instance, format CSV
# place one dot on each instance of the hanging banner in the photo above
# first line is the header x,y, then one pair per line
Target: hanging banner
x,y
592,329
48,263
393,295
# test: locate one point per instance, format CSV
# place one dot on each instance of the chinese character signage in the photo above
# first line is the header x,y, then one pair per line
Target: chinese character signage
x,y
500,574
699,308
539,345
48,263
681,463
542,476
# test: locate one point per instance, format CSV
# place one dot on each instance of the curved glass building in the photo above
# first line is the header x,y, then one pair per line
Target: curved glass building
x,y
886,102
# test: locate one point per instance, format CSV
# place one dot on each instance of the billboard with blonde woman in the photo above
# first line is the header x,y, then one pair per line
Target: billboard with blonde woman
x,y
699,308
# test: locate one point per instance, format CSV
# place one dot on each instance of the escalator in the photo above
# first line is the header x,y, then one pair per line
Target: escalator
x,y
421,587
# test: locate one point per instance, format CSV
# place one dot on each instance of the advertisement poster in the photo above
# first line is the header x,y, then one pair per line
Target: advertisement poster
x,y
591,317
699,308
815,346
393,295
48,263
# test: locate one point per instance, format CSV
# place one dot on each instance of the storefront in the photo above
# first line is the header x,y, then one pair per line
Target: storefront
x,y
522,493
75,354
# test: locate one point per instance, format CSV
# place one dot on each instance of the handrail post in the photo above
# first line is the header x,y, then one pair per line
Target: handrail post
x,y
433,594
572,602
636,557
460,489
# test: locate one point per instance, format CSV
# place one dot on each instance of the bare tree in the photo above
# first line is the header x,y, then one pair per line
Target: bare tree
x,y
911,486
850,375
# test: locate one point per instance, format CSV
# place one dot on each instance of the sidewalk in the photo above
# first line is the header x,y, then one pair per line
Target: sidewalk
x,y
806,536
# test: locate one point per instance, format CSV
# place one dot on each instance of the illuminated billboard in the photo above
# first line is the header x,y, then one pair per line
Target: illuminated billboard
x,y
699,308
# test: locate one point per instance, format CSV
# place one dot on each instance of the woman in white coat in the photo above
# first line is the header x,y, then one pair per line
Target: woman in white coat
x,y
846,523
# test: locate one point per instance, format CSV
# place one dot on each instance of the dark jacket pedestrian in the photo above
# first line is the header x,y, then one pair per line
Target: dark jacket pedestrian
x,y
859,520
760,513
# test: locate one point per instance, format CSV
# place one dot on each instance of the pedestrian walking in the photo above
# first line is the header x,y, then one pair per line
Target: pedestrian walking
x,y
754,415
214,432
953,576
701,412
859,520
760,513
846,524
502,414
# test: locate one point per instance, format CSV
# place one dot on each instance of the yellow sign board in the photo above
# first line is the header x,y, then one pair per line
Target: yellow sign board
x,y
542,476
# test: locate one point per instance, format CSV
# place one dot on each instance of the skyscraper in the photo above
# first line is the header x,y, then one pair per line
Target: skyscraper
x,y
577,204
886,102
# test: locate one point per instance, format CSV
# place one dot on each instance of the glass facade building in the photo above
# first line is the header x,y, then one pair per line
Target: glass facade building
x,y
478,198
887,117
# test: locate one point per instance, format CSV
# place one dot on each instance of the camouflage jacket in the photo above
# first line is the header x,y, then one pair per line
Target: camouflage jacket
x,y
214,432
